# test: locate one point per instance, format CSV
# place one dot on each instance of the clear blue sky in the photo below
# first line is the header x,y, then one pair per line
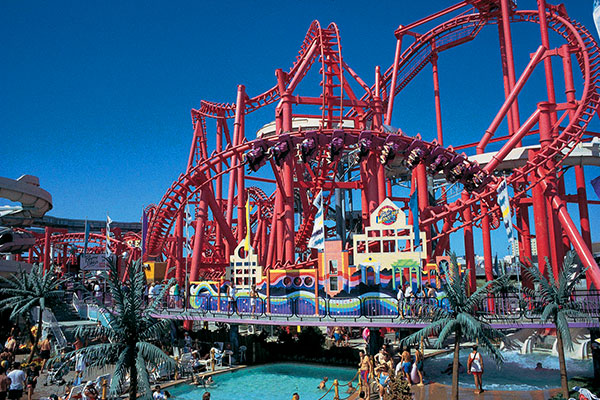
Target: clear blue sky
x,y
96,96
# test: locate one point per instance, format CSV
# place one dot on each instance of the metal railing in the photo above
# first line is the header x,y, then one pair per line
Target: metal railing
x,y
497,307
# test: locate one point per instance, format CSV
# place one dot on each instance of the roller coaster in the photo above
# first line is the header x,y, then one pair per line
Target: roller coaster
x,y
340,141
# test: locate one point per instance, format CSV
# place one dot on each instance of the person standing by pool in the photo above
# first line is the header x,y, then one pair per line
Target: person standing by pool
x,y
475,367
366,369
419,364
406,364
383,379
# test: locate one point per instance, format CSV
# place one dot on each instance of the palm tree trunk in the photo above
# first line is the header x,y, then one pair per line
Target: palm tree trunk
x,y
455,364
36,338
563,366
133,381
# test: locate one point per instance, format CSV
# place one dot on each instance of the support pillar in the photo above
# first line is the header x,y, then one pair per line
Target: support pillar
x,y
487,244
47,255
436,96
199,240
423,201
469,247
179,265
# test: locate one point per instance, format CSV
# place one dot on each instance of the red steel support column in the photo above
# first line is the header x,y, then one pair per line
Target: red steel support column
x,y
378,107
579,172
548,60
233,175
549,179
272,249
469,248
510,60
288,187
365,194
47,255
179,264
541,223
241,190
219,181
391,96
487,244
423,200
436,96
199,239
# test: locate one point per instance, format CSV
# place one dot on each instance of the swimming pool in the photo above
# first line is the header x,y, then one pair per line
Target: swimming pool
x,y
517,373
270,382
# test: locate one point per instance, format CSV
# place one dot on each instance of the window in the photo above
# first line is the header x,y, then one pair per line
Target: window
x,y
333,283
333,267
360,244
374,246
389,246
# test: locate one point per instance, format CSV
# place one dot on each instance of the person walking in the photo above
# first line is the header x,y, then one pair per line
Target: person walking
x,y
32,376
475,367
365,370
45,347
17,382
4,384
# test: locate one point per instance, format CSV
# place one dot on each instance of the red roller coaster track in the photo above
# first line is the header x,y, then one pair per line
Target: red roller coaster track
x,y
351,149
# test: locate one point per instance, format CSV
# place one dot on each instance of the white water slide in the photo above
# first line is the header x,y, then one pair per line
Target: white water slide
x,y
35,201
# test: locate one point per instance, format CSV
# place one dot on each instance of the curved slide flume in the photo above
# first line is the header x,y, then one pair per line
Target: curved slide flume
x,y
35,201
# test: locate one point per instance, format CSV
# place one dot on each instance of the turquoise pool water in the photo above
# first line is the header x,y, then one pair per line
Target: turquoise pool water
x,y
269,382
517,373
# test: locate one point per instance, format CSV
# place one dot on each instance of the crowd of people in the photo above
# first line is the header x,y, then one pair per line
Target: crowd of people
x,y
376,372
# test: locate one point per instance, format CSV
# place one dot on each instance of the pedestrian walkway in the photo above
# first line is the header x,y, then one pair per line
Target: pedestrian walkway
x,y
437,391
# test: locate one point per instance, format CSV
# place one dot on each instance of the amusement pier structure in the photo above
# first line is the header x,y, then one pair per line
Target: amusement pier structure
x,y
252,197
334,161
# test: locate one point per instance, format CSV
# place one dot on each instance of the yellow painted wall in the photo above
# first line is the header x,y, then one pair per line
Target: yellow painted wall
x,y
155,271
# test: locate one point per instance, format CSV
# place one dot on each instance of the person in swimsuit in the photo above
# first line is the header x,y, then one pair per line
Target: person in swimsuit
x,y
366,368
322,385
337,335
45,347
475,367
406,365
419,362
383,379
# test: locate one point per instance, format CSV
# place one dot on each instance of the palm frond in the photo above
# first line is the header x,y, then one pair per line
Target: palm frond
x,y
431,329
547,291
144,390
563,326
154,355
449,327
550,311
120,373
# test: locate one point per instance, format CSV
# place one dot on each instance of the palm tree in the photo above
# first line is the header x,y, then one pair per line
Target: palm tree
x,y
556,299
460,317
130,330
24,291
